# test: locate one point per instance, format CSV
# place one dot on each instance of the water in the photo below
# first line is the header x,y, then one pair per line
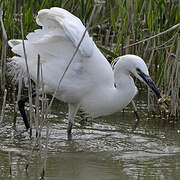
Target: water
x,y
108,148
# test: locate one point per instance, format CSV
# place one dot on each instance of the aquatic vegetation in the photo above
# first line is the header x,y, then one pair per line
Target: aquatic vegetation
x,y
118,27
141,27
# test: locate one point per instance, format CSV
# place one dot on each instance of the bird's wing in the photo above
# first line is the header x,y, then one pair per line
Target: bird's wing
x,y
59,22
56,43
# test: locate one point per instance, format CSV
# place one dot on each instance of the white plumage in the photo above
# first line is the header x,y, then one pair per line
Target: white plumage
x,y
89,81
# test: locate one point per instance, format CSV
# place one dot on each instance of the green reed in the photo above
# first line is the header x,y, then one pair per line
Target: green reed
x,y
141,27
118,27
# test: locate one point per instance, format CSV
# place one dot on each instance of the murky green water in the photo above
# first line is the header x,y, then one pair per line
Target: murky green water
x,y
107,148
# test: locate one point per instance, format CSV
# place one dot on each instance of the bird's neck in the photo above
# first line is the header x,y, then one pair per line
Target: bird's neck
x,y
125,86
123,80
107,100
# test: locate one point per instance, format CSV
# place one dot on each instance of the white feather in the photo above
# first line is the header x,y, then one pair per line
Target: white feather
x,y
89,81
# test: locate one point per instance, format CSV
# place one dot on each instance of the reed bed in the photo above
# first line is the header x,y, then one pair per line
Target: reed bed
x,y
118,27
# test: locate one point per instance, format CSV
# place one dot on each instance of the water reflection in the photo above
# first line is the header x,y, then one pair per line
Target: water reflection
x,y
107,148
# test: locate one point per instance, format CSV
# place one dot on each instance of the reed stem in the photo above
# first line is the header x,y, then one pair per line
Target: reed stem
x,y
28,74
3,106
3,51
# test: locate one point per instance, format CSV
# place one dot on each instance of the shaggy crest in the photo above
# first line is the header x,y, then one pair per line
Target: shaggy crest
x,y
17,71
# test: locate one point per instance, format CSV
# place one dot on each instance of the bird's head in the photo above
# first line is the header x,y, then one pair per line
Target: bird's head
x,y
131,64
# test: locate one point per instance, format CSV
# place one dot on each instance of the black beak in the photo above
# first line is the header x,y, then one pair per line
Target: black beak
x,y
152,86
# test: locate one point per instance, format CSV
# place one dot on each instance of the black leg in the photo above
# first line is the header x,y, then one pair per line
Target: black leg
x,y
21,104
69,129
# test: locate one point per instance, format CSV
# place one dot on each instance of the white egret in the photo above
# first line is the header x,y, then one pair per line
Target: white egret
x,y
90,82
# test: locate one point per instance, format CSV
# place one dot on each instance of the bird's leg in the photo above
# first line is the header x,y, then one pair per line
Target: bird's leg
x,y
136,114
73,108
135,110
21,104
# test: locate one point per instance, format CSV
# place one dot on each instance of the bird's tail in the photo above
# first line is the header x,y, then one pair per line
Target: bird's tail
x,y
16,64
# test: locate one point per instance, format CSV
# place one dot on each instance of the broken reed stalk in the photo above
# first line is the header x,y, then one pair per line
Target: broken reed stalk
x,y
157,35
43,173
18,98
37,98
3,51
14,108
28,74
71,60
40,118
4,105
10,162
44,103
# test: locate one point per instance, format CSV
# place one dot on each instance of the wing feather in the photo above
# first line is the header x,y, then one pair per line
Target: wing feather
x,y
56,42
57,22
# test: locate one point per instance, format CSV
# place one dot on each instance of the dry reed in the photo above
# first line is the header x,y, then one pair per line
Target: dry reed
x,y
3,106
3,52
118,33
28,74
120,26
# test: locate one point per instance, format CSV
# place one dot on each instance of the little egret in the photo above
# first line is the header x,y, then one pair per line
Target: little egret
x,y
90,83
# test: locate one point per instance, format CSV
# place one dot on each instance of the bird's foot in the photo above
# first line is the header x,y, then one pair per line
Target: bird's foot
x,y
21,104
